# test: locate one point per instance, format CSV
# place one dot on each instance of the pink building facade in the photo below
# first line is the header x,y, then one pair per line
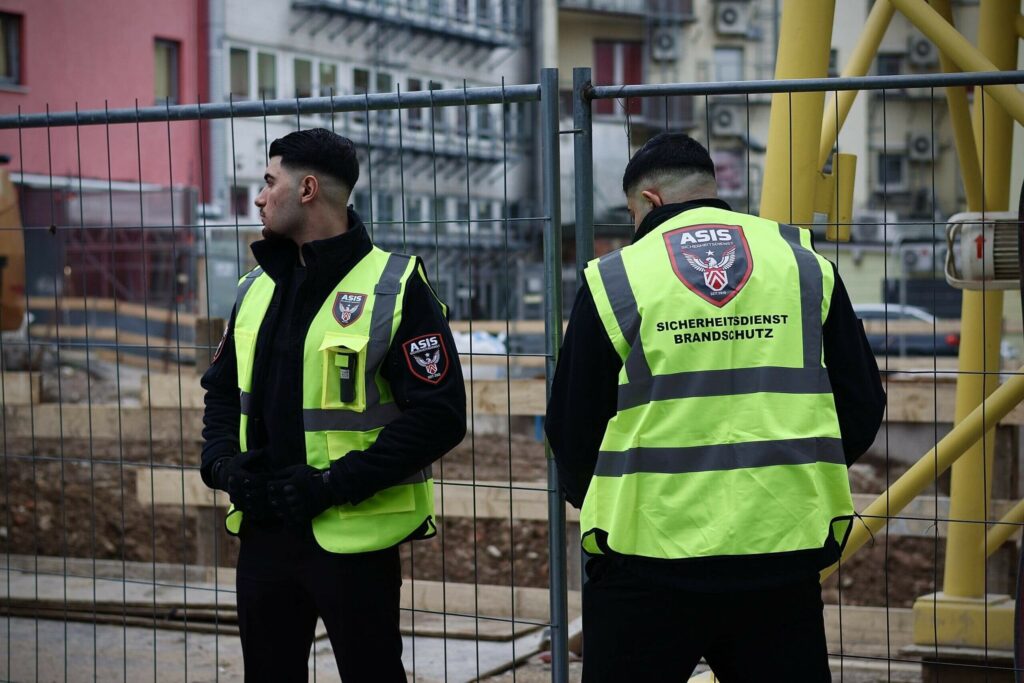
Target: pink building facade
x,y
115,53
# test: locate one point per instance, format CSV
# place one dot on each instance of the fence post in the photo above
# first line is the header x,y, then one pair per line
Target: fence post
x,y
553,334
583,173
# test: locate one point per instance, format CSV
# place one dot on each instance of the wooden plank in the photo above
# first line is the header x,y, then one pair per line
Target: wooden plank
x,y
22,388
102,421
155,314
490,500
490,396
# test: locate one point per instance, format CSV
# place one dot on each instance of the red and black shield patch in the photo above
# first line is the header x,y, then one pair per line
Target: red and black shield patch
x,y
348,306
427,357
712,260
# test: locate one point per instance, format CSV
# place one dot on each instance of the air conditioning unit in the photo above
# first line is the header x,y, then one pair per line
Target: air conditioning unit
x,y
664,45
727,119
922,257
874,226
732,17
920,147
921,51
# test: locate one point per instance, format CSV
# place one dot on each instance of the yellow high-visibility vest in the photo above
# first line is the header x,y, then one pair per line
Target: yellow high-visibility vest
x,y
725,441
345,401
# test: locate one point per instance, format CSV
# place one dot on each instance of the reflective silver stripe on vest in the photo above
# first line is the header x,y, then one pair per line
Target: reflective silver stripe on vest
x,y
244,285
328,419
724,383
376,414
642,387
245,401
810,294
627,314
721,457
385,302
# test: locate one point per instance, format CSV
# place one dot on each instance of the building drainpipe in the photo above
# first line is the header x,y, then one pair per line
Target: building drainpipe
x,y
217,144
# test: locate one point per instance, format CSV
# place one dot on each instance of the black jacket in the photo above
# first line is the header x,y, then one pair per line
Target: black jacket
x,y
583,400
433,418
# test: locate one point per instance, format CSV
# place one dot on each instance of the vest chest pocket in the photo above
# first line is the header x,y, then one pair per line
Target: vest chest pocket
x,y
343,361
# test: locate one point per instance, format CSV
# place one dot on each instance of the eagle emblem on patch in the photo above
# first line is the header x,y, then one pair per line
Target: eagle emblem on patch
x,y
712,260
427,357
348,306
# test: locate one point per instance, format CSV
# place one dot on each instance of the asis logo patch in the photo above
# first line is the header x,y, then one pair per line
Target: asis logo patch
x,y
427,357
713,261
348,307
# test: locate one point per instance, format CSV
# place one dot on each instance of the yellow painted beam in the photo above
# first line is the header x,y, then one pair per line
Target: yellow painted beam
x,y
960,120
946,620
1006,527
839,105
794,129
936,461
963,54
982,312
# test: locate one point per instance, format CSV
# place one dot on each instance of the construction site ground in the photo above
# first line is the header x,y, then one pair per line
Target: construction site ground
x,y
78,498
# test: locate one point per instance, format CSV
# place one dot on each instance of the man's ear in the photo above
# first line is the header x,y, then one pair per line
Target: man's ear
x,y
309,188
653,197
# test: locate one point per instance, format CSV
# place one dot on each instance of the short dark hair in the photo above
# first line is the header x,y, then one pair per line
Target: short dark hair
x,y
319,150
667,152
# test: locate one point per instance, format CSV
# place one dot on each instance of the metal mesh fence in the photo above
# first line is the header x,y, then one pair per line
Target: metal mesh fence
x,y
116,568
116,565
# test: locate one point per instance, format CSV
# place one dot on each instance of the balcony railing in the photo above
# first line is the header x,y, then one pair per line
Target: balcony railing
x,y
662,10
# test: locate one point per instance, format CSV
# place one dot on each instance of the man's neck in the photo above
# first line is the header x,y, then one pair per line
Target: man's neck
x,y
323,228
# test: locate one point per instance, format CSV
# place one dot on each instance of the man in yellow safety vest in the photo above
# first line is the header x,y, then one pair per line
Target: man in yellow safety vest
x,y
713,387
335,387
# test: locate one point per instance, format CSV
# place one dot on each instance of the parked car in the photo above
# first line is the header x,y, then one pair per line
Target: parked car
x,y
897,329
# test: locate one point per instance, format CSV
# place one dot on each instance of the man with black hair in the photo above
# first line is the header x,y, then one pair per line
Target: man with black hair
x,y
712,389
335,387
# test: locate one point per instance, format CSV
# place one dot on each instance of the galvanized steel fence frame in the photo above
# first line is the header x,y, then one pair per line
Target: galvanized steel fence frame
x,y
544,94
585,93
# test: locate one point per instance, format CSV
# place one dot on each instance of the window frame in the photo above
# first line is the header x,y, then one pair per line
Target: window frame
x,y
12,25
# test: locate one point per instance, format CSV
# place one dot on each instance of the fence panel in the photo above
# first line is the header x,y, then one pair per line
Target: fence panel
x,y
116,565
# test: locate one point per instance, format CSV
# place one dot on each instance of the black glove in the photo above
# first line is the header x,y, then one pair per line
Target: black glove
x,y
299,493
246,488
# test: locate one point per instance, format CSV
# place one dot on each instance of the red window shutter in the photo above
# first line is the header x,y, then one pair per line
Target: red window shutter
x,y
604,72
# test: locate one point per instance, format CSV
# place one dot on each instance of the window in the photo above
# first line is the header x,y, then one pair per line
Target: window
x,y
361,202
892,172
889,64
385,208
437,114
507,13
10,49
165,71
328,79
240,205
462,210
483,12
360,81
303,74
414,211
239,73
833,63
462,10
728,64
415,116
485,122
440,209
360,86
266,73
385,117
618,63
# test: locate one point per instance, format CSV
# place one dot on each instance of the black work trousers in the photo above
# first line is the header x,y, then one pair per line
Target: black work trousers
x,y
285,580
638,630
